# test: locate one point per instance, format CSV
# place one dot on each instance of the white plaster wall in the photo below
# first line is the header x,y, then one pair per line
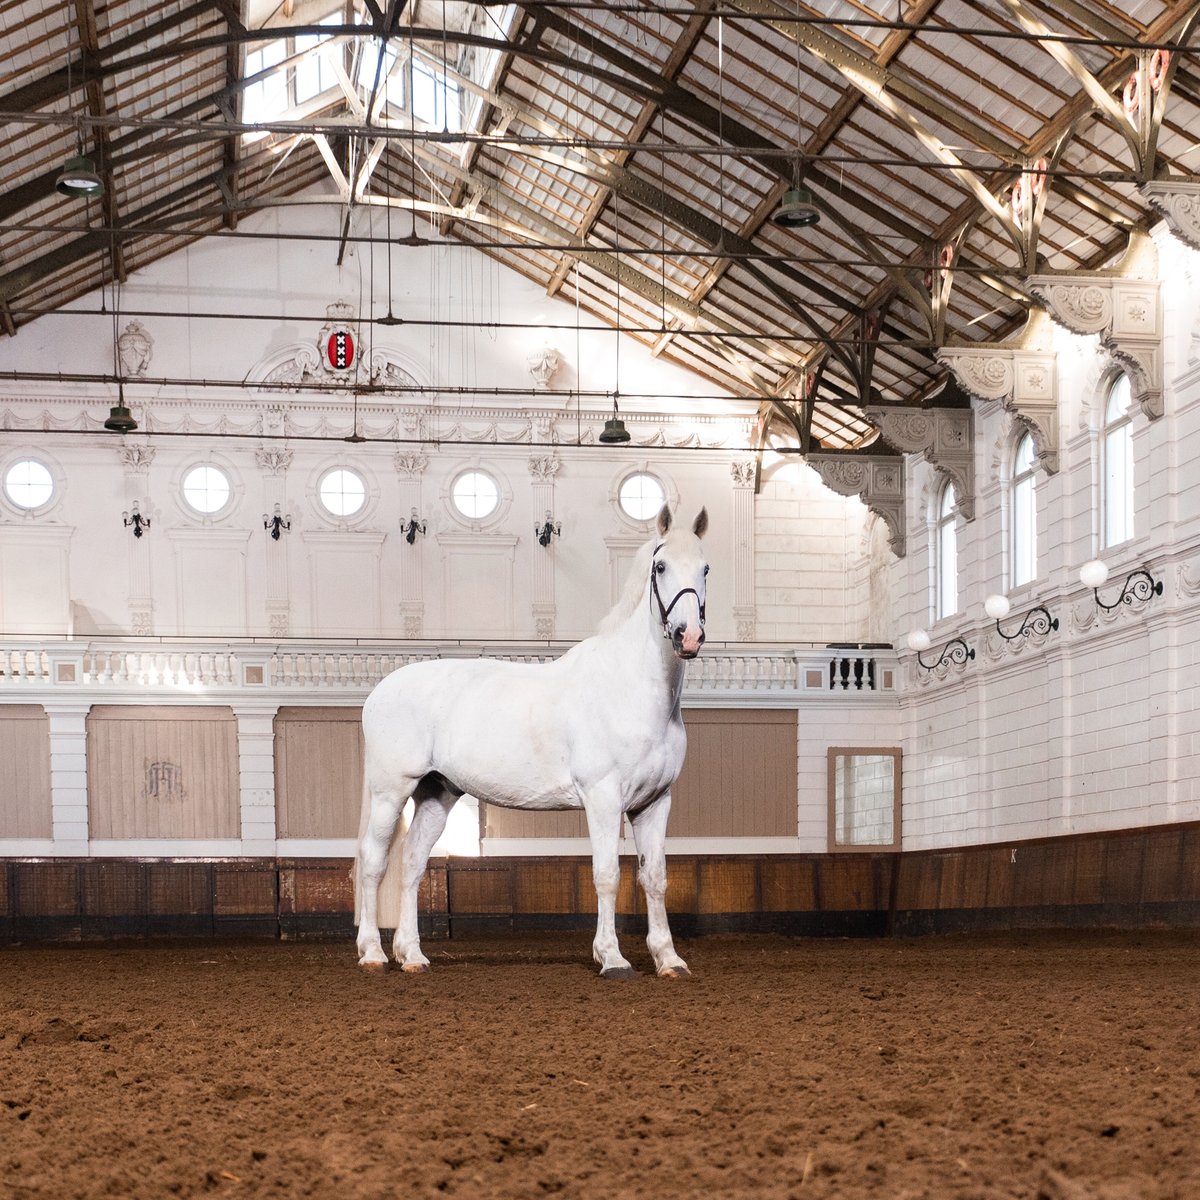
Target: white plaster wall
x,y
76,568
1093,727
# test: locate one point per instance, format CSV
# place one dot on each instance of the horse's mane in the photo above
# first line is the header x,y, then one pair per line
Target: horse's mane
x,y
635,585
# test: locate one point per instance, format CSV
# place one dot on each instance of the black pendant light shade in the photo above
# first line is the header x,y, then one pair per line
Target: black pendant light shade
x,y
78,179
614,432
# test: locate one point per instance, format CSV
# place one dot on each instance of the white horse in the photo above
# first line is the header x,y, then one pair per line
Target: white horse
x,y
598,729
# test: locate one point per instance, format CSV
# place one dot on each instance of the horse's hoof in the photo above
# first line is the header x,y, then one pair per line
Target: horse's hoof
x,y
618,973
680,972
415,968
374,968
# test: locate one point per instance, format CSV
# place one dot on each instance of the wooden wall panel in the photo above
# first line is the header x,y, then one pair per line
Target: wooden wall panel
x,y
25,786
162,772
516,823
318,772
787,884
739,777
545,886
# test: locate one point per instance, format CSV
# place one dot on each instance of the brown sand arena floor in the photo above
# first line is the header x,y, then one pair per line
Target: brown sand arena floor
x,y
1057,1066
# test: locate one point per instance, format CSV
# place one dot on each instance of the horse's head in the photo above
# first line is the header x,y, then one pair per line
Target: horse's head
x,y
678,582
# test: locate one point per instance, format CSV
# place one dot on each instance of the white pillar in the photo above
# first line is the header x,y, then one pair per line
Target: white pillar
x,y
410,467
745,612
256,776
68,776
542,470
273,462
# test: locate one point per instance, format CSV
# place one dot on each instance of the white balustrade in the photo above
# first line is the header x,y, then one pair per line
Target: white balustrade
x,y
126,669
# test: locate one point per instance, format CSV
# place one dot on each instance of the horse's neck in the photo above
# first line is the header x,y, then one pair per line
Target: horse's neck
x,y
642,639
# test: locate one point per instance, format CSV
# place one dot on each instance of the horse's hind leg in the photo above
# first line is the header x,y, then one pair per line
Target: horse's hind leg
x,y
375,838
433,804
650,836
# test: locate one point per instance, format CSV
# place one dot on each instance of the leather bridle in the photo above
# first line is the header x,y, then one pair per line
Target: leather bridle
x,y
664,610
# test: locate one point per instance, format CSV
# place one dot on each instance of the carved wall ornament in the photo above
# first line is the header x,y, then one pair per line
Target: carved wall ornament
x,y
543,366
134,349
136,459
1020,374
876,479
747,623
946,436
742,473
410,463
272,459
280,624
1187,579
1178,202
544,467
1122,305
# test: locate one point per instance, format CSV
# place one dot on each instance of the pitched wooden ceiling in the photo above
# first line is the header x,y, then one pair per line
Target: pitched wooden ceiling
x,y
630,156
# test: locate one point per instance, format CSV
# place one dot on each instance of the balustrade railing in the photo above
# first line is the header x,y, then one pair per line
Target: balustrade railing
x,y
302,669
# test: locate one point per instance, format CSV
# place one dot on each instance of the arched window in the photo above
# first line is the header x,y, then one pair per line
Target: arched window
x,y
946,554
1116,464
1024,513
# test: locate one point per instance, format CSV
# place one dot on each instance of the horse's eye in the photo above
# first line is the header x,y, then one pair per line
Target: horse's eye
x,y
660,566
706,568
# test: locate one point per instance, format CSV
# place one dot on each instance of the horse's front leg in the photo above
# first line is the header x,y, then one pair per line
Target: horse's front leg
x,y
604,827
381,812
650,836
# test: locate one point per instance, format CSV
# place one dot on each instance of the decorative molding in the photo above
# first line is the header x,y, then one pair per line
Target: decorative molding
x,y
946,436
1187,579
743,473
280,623
876,479
1020,374
747,623
272,460
544,467
410,463
544,621
141,618
134,350
543,366
412,617
1124,306
1177,201
136,459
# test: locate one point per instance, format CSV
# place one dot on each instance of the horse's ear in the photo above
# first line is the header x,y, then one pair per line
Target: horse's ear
x,y
664,520
701,525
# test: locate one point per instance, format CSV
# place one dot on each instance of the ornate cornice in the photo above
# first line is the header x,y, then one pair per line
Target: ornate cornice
x,y
742,472
878,480
544,467
410,463
1177,201
946,436
1123,305
273,460
1021,375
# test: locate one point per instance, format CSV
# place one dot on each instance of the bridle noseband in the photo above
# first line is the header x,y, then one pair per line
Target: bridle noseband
x,y
664,611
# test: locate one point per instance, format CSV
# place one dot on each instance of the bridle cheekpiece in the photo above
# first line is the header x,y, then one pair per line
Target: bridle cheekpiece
x,y
664,610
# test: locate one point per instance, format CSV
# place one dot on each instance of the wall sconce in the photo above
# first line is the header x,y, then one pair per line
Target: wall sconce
x,y
1139,585
547,530
956,650
135,519
276,523
415,525
1037,620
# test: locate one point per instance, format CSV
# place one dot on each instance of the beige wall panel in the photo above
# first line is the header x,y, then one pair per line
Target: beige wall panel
x,y
25,779
515,823
162,772
739,777
318,772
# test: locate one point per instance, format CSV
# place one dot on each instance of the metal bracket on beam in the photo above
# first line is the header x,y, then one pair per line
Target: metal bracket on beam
x,y
1021,375
878,480
1123,305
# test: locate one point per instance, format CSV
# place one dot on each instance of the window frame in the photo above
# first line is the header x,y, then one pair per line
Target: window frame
x,y
1023,527
343,517
1110,430
26,510
945,529
214,514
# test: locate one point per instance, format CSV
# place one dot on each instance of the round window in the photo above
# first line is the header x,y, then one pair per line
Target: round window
x,y
28,483
641,496
475,495
206,489
343,492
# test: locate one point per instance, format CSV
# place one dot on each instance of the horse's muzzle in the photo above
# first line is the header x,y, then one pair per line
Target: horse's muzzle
x,y
685,643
